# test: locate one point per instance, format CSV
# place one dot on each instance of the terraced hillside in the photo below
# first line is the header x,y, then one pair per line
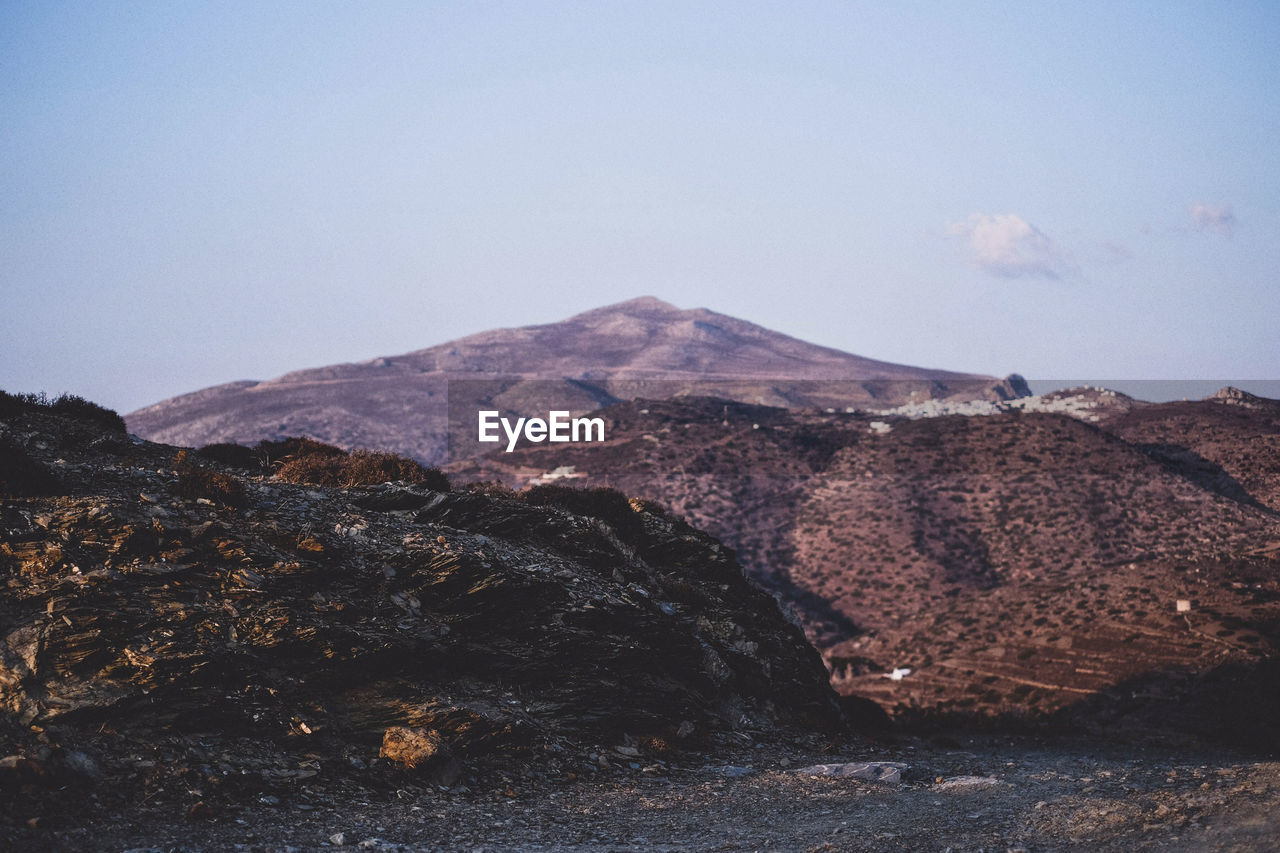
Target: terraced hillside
x,y
1018,564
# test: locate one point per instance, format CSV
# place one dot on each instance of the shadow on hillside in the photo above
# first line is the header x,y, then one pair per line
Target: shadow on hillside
x,y
1233,705
1204,473
833,625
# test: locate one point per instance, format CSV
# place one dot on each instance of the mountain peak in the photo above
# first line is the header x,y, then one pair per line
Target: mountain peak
x,y
641,305
646,303
400,403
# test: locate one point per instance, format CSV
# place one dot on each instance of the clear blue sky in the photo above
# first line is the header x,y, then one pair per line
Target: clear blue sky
x,y
197,193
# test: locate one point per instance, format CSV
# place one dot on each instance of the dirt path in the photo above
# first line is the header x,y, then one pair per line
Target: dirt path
x,y
972,794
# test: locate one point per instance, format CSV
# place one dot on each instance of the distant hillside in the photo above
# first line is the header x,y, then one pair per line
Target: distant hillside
x,y
1228,442
644,347
1017,563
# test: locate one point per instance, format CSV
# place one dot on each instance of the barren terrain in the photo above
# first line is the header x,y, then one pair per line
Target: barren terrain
x,y
967,794
1020,565
199,655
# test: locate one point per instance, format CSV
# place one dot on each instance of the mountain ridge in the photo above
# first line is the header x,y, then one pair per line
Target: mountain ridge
x,y
639,317
399,402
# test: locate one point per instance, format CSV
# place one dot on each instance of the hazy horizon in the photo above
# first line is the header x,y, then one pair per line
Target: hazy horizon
x,y
193,196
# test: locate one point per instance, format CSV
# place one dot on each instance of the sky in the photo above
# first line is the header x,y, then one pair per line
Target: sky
x,y
196,193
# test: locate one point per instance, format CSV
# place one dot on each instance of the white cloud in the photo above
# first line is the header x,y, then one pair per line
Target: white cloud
x,y
1213,217
1006,245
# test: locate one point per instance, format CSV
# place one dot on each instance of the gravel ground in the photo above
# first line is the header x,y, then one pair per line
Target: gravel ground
x,y
982,793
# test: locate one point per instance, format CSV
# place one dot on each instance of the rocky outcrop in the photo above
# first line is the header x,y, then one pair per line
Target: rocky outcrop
x,y
310,622
1233,396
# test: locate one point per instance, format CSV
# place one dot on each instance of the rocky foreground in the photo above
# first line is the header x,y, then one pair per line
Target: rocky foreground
x,y
180,633
200,656
975,793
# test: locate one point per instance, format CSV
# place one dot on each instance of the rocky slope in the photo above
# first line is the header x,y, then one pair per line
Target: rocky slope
x,y
256,639
1020,565
644,347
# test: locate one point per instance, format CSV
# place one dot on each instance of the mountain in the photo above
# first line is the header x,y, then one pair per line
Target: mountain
x,y
643,347
1023,563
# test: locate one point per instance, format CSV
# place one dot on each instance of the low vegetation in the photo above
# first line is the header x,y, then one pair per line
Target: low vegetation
x,y
275,453
232,455
76,408
317,464
303,460
195,481
602,502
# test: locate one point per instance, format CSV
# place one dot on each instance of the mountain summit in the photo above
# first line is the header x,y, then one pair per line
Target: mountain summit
x,y
619,351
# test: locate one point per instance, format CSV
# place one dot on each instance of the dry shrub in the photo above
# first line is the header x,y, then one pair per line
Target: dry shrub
x,y
275,452
195,481
76,408
12,404
233,455
656,744
650,506
369,468
600,502
423,751
83,410
318,469
358,468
